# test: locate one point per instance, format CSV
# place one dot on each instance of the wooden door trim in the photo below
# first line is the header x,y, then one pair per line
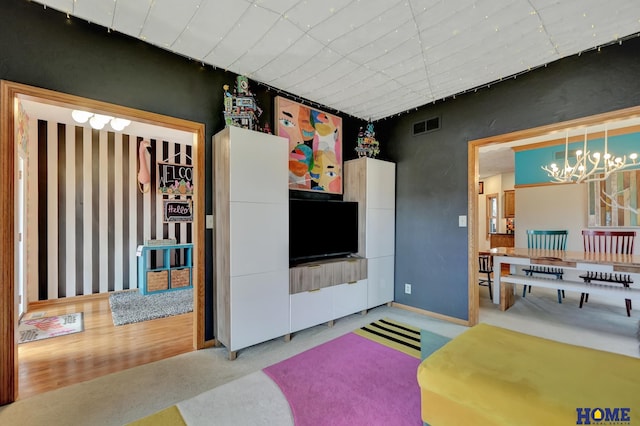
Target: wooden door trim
x,y
9,93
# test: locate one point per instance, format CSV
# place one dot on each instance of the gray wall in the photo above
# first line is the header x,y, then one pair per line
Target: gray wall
x,y
431,250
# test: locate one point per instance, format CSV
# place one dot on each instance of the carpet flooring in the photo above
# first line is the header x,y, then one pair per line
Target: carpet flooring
x,y
123,397
367,377
130,306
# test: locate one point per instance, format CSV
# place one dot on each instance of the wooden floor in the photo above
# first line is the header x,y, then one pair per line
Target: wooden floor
x,y
100,349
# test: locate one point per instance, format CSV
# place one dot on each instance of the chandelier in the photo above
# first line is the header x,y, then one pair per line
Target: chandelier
x,y
588,167
98,121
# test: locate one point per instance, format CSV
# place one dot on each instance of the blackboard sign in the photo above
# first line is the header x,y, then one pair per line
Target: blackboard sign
x,y
178,211
175,179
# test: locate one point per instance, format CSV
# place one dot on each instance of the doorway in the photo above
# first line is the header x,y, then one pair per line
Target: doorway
x,y
549,135
10,94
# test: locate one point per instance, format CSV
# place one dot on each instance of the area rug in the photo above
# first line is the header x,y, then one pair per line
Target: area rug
x,y
130,306
366,377
46,327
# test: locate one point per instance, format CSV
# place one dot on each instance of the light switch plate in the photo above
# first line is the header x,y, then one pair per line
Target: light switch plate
x,y
209,221
462,221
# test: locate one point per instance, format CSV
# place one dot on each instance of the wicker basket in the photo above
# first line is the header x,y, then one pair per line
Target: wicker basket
x,y
180,277
157,280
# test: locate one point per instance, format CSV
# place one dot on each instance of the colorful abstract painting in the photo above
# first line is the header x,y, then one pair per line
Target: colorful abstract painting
x,y
315,146
615,201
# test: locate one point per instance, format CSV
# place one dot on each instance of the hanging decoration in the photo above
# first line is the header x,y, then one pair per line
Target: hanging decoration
x,y
368,146
144,156
588,167
241,108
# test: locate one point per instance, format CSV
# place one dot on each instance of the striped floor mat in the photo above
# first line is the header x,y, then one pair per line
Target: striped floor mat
x,y
402,337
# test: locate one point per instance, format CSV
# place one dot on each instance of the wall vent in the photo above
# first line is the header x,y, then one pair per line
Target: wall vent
x,y
426,126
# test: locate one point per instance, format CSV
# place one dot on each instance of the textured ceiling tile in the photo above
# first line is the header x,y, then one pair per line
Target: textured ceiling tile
x,y
307,15
318,63
129,17
408,65
275,42
242,37
411,78
278,6
336,75
378,28
288,62
346,84
356,14
208,27
65,6
370,58
401,42
97,11
165,22
408,50
396,103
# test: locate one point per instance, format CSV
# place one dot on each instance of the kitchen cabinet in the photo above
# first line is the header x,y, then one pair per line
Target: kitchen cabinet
x,y
510,203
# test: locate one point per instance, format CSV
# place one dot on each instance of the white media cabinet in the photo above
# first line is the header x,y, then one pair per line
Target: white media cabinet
x,y
251,207
372,183
257,296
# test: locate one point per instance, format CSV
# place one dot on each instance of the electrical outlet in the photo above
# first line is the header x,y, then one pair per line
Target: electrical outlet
x,y
407,288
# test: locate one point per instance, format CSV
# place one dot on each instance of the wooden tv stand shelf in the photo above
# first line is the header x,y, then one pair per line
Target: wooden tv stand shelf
x,y
318,274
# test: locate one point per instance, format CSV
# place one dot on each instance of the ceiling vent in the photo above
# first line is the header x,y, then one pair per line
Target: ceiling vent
x,y
426,126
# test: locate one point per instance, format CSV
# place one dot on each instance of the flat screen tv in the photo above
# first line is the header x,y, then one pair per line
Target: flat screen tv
x,y
320,229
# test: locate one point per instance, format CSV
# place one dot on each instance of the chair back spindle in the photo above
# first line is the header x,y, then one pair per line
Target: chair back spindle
x,y
547,239
485,264
617,242
612,242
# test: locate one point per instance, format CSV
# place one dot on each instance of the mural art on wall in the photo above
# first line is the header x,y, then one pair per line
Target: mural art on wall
x,y
614,202
315,146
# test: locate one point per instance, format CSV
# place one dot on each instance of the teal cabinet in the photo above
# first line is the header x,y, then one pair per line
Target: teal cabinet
x,y
164,276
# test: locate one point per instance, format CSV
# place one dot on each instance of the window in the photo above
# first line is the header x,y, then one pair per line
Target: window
x,y
492,214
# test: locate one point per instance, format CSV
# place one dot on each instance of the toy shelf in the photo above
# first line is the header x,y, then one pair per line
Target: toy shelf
x,y
163,278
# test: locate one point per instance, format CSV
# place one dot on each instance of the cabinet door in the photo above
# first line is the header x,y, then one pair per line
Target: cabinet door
x,y
258,165
380,232
349,298
259,237
509,203
311,308
380,281
381,184
259,308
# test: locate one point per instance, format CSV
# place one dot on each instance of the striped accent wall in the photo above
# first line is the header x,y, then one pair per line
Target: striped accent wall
x,y
91,214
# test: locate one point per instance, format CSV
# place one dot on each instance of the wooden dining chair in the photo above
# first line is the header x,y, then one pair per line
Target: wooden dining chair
x,y
546,240
485,267
617,242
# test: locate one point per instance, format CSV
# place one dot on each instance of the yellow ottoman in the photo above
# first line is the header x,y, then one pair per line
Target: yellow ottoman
x,y
492,376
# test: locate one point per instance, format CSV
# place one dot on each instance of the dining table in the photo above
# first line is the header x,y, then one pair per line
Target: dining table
x,y
507,259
